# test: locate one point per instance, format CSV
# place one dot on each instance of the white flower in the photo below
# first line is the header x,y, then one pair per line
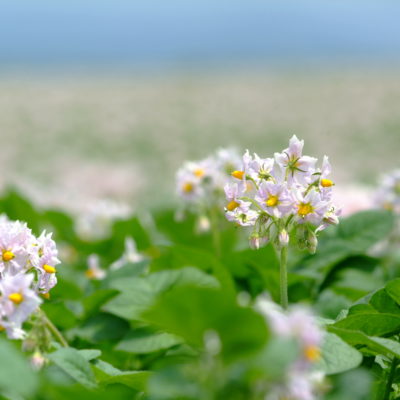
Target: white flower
x,y
130,255
94,270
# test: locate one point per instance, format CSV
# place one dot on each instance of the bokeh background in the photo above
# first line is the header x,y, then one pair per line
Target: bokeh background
x,y
106,99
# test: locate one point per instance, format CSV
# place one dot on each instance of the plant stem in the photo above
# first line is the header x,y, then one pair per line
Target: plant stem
x,y
215,232
53,329
390,378
283,278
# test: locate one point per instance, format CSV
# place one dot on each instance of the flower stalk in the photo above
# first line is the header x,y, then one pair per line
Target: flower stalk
x,y
283,278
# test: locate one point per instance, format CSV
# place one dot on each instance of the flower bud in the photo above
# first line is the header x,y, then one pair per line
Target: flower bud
x,y
312,242
256,241
283,238
203,224
37,361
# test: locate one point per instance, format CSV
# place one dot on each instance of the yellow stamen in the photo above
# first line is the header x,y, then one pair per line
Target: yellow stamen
x,y
304,209
90,274
199,172
326,183
46,296
388,206
232,205
16,298
238,174
49,269
8,255
272,201
2,328
187,187
312,353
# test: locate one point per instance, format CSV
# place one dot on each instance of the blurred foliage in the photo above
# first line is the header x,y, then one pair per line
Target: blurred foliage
x,y
171,326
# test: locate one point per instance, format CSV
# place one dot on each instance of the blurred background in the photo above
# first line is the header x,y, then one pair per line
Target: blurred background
x,y
108,98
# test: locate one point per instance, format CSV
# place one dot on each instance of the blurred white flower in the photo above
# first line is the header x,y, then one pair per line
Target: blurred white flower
x,y
130,255
94,271
95,222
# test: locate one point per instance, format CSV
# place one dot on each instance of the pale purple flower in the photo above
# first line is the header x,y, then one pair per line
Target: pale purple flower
x,y
274,198
48,259
310,207
18,301
17,250
298,168
388,195
243,215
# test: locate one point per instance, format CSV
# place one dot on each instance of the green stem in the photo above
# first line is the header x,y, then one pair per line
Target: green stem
x,y
215,232
390,379
283,278
53,329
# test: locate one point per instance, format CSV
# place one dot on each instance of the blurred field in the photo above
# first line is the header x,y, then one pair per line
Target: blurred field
x,y
72,139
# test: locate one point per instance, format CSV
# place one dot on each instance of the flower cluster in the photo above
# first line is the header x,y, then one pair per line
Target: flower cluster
x,y
302,380
283,197
201,181
388,195
27,269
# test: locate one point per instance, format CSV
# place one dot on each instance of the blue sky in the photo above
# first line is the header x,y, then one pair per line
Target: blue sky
x,y
129,33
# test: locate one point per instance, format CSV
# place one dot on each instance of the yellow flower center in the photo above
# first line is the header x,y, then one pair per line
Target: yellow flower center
x,y
326,183
232,205
272,201
49,269
238,174
16,298
2,328
304,209
8,255
199,172
388,206
187,187
90,274
312,353
46,296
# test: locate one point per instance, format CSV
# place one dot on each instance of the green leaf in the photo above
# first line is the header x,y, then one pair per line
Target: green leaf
x,y
107,375
190,312
364,229
375,345
99,328
382,301
141,341
16,375
137,294
372,324
74,364
393,290
337,356
90,354
92,303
